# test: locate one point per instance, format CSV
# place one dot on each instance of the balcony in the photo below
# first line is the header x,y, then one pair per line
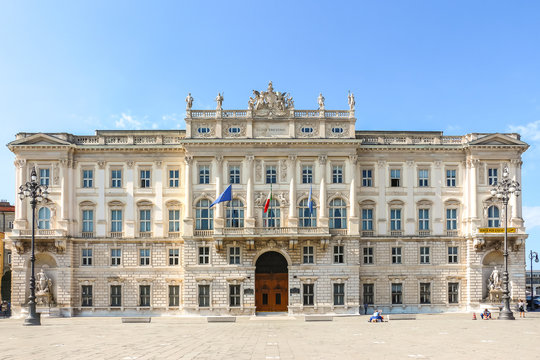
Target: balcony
x,y
338,231
204,233
145,234
173,235
241,232
39,233
116,234
396,233
452,233
87,234
424,232
368,233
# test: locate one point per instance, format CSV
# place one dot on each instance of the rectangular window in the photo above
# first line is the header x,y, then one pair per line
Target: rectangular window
x,y
174,178
339,294
451,219
145,178
174,257
145,223
86,295
144,257
86,257
307,174
395,177
234,255
234,174
144,295
309,294
116,221
116,178
396,255
116,295
116,257
308,257
234,295
452,254
204,255
174,295
174,221
423,178
395,219
204,174
451,177
368,255
492,176
453,293
271,174
339,254
204,295
424,254
423,219
397,293
367,219
44,176
337,174
367,178
425,293
369,293
88,178
88,221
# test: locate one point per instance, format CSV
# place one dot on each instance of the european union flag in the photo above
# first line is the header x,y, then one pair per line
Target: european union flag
x,y
310,201
225,196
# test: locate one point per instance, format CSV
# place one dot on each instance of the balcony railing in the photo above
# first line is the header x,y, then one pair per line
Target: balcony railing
x,y
424,232
309,230
42,232
87,234
233,230
173,235
145,234
452,233
338,231
274,230
116,234
368,233
205,233
396,233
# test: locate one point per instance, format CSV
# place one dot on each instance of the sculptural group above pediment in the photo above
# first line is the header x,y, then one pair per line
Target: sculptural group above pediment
x,y
270,102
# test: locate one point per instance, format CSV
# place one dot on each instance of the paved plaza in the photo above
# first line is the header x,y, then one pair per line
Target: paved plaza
x,y
448,336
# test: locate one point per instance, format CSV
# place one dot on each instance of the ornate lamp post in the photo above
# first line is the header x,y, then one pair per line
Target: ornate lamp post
x,y
533,255
504,189
36,192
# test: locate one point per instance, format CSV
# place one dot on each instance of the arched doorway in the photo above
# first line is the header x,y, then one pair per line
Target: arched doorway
x,y
5,291
271,282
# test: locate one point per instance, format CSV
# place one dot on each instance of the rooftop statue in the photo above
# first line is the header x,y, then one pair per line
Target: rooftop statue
x,y
351,101
320,101
270,101
189,101
219,100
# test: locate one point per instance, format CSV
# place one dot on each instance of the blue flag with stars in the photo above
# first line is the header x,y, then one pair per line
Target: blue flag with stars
x,y
225,196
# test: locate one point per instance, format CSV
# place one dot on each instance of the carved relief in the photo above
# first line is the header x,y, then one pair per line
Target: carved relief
x,y
283,198
482,173
381,163
311,125
353,159
322,159
101,164
292,157
20,163
188,159
158,163
239,129
283,169
56,174
270,102
258,170
130,163
208,133
337,129
250,158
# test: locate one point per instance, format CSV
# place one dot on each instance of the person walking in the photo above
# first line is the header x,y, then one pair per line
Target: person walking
x,y
521,307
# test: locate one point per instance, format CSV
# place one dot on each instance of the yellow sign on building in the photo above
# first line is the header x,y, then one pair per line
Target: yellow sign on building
x,y
511,230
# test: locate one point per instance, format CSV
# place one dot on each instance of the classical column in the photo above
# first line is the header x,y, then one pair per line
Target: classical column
x,y
411,211
218,175
473,189
350,176
322,190
129,216
438,206
248,164
515,201
100,222
157,170
188,187
20,207
382,209
292,188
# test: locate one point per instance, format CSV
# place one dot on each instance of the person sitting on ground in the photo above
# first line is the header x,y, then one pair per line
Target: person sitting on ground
x,y
376,317
485,315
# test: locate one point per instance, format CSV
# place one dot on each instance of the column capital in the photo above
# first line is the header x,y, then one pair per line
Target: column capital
x,y
20,163
353,158
188,159
219,159
250,158
101,164
322,159
292,157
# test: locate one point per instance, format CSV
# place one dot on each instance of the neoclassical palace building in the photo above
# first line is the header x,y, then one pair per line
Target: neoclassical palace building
x,y
400,220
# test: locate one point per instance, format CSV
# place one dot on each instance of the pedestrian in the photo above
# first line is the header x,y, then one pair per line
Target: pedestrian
x,y
521,307
365,308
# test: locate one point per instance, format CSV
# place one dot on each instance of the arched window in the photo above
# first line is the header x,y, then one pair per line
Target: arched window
x,y
272,216
493,216
307,218
338,214
204,215
44,218
235,213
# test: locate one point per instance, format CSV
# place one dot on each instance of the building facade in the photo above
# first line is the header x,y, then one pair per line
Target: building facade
x,y
7,216
403,221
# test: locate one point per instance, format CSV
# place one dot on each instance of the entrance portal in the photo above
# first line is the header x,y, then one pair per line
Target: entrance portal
x,y
271,282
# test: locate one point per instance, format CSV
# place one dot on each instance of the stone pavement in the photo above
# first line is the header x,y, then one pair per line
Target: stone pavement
x,y
447,336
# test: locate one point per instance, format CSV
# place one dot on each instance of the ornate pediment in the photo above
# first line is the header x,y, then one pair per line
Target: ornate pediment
x,y
40,139
270,102
498,140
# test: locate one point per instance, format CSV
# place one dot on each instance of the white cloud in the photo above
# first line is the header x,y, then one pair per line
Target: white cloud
x,y
128,122
531,215
530,131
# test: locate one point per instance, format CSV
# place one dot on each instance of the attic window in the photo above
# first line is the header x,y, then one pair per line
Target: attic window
x,y
337,130
307,130
234,130
203,130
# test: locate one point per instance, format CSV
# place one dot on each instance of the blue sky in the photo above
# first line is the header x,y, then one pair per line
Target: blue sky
x,y
459,66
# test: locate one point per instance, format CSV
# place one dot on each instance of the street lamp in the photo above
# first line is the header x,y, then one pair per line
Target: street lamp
x,y
504,189
37,193
533,255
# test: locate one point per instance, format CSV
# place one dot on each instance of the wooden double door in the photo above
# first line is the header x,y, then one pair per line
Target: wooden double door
x,y
271,292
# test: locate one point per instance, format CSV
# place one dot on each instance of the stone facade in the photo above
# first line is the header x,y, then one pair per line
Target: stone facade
x,y
402,220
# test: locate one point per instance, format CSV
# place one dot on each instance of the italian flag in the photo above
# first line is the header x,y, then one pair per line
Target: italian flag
x,y
268,199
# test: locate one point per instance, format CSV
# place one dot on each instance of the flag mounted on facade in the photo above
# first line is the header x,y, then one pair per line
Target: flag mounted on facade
x,y
225,196
310,201
268,199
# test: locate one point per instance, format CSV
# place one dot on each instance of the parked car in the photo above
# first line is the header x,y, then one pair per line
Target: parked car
x,y
533,303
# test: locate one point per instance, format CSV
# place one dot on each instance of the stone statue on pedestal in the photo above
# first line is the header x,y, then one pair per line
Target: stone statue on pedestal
x,y
43,289
219,100
351,101
189,101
